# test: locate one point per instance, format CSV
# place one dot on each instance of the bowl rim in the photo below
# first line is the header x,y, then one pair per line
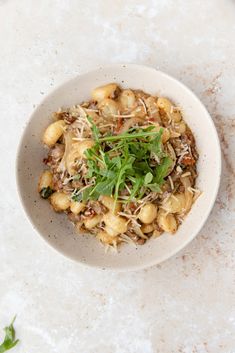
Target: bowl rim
x,y
193,233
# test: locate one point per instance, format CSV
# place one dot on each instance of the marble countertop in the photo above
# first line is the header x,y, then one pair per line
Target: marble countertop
x,y
185,305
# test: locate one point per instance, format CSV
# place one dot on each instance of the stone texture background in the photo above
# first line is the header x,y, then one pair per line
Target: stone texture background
x,y
185,305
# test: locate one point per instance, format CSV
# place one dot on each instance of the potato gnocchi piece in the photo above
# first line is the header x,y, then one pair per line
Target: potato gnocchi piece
x,y
60,201
166,105
68,142
77,151
108,107
92,222
166,221
103,92
175,203
77,207
127,100
109,203
148,213
180,127
152,108
147,228
176,115
188,195
115,224
139,112
180,203
111,231
45,181
53,132
156,233
105,238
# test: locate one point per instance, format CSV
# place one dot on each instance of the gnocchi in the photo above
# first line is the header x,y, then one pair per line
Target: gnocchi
x,y
180,127
175,203
165,105
109,202
53,132
60,201
108,108
117,224
148,213
167,222
46,180
92,222
147,228
77,152
77,207
103,92
127,99
188,194
105,238
152,107
111,231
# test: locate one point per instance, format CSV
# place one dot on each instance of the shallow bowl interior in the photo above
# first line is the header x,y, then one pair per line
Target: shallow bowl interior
x,y
57,230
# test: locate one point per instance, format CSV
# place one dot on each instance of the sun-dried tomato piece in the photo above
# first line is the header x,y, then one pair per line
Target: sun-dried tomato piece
x,y
188,160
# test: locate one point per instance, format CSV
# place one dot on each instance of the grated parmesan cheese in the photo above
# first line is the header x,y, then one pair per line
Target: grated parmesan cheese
x,y
123,116
171,182
186,174
142,102
179,169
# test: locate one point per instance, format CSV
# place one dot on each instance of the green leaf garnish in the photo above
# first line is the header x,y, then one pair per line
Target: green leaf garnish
x,y
162,169
46,192
124,162
9,340
77,198
127,136
94,129
148,178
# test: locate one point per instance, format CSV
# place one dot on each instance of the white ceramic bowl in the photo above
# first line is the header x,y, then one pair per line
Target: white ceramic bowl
x,y
57,230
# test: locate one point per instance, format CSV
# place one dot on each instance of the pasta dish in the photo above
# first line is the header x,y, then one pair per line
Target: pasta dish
x,y
122,166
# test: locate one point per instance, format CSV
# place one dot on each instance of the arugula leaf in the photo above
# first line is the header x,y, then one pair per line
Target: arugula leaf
x,y
156,144
124,161
117,161
154,187
127,136
94,129
127,164
138,183
142,167
110,174
9,340
161,170
86,194
148,178
105,187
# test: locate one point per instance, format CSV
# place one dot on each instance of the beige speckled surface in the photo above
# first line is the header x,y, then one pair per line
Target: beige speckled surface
x,y
185,305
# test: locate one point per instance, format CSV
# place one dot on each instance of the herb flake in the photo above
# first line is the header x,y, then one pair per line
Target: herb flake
x,y
46,192
9,340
